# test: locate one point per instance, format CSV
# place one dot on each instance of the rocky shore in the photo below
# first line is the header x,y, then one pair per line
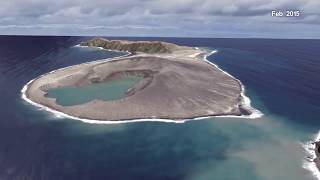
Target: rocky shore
x,y
177,84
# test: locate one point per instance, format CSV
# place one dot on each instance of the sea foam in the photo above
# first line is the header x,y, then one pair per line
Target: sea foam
x,y
310,149
245,101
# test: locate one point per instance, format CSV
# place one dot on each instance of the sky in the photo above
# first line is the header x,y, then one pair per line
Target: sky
x,y
161,18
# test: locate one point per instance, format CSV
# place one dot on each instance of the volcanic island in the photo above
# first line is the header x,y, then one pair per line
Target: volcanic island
x,y
176,82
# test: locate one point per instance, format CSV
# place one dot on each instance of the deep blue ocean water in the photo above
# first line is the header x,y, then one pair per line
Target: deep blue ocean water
x,y
281,78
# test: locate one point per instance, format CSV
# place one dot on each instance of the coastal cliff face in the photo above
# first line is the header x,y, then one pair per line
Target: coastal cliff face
x,y
149,47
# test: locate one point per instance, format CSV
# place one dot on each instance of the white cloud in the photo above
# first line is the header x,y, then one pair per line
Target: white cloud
x,y
157,17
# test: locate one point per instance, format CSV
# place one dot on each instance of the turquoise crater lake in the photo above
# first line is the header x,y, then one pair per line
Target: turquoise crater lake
x,y
108,91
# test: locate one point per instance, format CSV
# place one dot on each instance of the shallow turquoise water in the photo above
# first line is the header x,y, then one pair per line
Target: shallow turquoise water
x,y
109,90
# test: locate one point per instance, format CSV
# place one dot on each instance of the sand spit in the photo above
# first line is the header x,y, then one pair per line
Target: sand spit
x,y
177,86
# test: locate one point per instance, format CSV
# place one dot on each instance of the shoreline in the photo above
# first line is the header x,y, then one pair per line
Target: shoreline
x,y
245,101
309,163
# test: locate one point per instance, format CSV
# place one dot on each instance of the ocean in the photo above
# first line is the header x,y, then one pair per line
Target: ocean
x,y
281,78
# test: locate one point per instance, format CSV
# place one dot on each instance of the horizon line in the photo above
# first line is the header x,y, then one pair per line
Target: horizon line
x,y
140,36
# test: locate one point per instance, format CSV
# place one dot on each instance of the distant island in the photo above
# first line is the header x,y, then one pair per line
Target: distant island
x,y
170,82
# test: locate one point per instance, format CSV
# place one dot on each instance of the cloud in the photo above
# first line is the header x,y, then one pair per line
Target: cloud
x,y
157,17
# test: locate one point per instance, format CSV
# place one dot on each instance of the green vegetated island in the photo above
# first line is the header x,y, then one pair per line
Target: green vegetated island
x,y
158,80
